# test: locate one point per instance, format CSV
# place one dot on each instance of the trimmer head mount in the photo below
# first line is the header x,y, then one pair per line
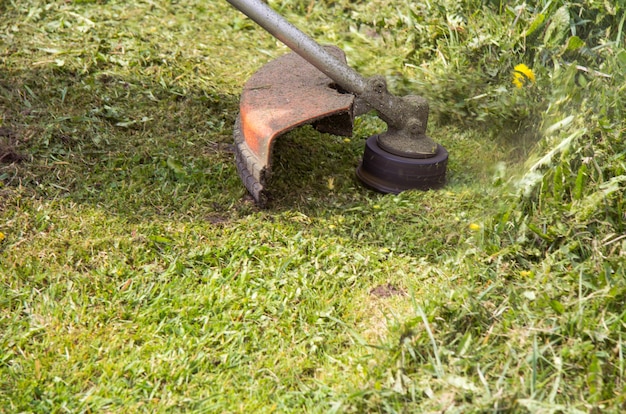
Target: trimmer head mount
x,y
391,173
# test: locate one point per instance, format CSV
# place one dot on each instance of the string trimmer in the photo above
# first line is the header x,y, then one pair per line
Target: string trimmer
x,y
314,85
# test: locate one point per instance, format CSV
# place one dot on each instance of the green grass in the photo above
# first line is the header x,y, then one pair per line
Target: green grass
x,y
136,275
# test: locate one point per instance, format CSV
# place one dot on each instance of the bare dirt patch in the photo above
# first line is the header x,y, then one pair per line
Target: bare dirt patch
x,y
8,153
386,290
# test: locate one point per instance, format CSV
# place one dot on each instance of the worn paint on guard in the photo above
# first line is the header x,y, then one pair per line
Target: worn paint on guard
x,y
284,94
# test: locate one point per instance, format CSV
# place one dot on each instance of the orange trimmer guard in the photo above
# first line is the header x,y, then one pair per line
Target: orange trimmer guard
x,y
284,94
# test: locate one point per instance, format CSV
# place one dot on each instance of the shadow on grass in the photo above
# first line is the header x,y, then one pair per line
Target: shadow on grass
x,y
127,144
312,169
138,147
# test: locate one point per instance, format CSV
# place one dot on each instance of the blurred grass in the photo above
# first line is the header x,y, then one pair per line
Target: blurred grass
x,y
137,276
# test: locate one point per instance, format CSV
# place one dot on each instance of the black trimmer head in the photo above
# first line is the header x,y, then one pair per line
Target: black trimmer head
x,y
390,173
315,85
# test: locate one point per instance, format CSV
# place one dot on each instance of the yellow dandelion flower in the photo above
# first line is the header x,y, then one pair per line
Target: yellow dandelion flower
x,y
330,183
521,74
2,236
474,227
526,71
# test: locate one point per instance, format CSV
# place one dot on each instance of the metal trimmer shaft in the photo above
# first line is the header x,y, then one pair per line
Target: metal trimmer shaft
x,y
296,40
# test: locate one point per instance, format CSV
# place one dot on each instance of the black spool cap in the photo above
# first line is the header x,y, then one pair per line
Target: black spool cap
x,y
390,173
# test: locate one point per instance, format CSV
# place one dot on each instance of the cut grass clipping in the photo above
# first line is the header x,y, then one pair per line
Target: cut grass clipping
x,y
137,276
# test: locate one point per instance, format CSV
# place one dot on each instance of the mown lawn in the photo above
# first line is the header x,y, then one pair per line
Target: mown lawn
x,y
137,275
